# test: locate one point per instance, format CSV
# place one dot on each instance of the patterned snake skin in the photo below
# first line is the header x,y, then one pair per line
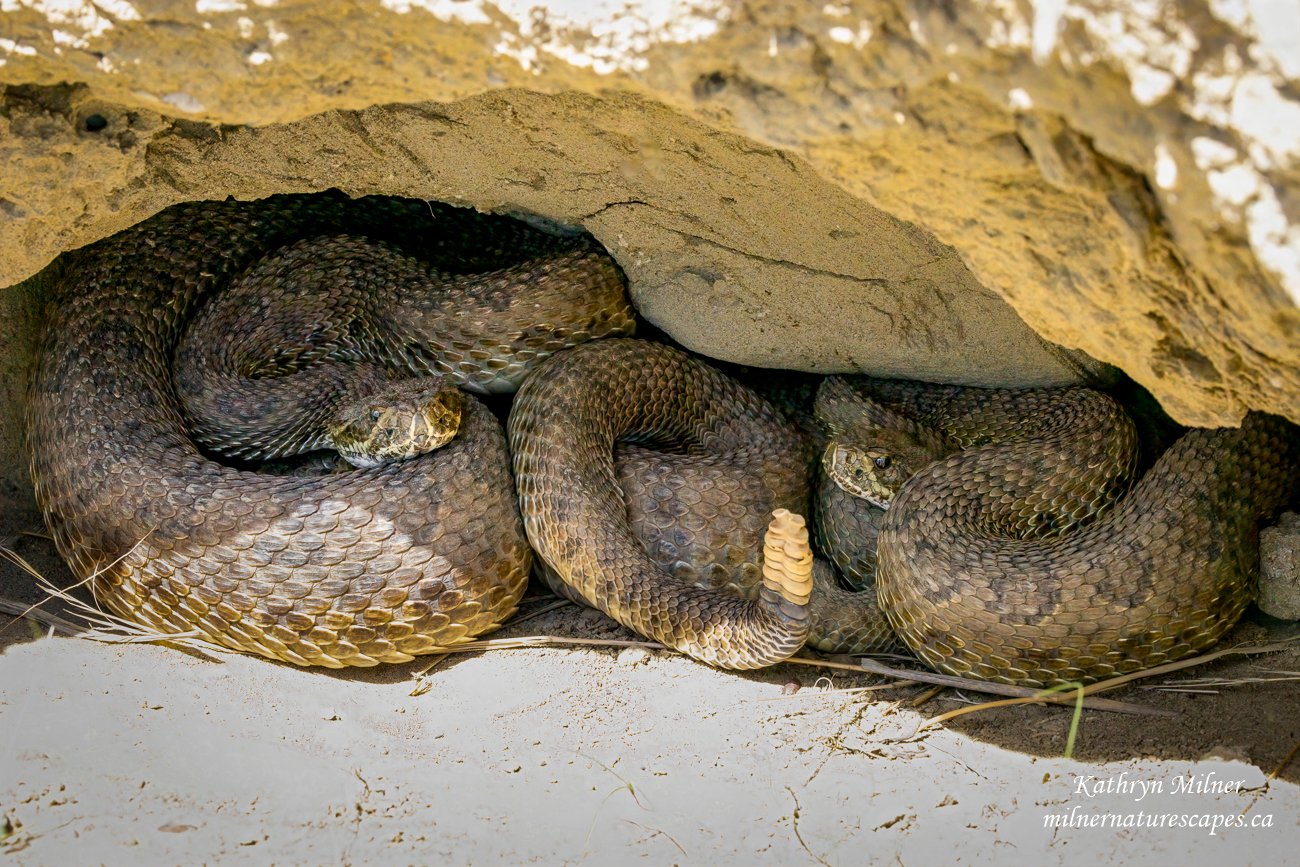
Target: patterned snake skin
x,y
646,478
373,565
1016,553
1022,559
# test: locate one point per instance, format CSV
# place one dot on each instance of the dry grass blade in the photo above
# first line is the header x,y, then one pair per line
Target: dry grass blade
x,y
1121,680
545,641
1191,662
33,612
852,690
1187,691
1211,685
1071,695
537,612
1286,760
102,626
1025,695
928,694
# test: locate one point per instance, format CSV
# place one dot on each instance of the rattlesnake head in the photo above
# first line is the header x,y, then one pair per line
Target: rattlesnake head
x,y
403,419
873,465
872,450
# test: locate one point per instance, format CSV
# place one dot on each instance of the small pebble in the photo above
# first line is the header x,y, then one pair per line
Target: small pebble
x,y
633,656
790,688
1279,568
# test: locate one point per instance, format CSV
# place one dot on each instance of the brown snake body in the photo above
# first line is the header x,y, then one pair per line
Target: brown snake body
x,y
636,467
646,479
373,565
698,511
1020,547
1019,558
1027,558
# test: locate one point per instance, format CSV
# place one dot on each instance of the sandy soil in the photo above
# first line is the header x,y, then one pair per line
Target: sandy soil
x,y
141,754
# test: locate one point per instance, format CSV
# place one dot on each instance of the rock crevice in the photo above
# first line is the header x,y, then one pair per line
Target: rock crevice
x,y
969,192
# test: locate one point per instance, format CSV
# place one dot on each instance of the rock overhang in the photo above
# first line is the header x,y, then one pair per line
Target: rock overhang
x,y
962,194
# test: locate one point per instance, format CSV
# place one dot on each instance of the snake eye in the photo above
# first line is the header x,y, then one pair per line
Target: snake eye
x,y
375,415
883,462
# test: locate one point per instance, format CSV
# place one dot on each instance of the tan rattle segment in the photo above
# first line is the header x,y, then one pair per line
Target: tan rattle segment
x,y
787,557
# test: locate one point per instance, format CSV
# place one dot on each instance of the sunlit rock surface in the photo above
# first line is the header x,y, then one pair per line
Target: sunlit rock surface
x,y
958,195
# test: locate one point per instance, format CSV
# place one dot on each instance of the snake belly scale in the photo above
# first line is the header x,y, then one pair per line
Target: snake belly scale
x,y
373,565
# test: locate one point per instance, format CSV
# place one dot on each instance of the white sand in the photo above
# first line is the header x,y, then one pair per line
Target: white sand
x,y
149,755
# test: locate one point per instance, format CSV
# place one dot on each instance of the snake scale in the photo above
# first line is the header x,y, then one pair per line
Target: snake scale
x,y
374,565
645,477
1012,548
1021,550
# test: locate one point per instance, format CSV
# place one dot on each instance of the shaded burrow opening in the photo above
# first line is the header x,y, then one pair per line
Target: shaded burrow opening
x,y
408,233
1159,738
734,249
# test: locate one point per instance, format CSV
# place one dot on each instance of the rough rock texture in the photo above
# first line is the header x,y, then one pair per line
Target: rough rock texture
x,y
1279,568
832,186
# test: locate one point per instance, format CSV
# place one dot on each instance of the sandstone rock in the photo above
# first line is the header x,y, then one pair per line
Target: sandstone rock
x,y
826,186
1279,568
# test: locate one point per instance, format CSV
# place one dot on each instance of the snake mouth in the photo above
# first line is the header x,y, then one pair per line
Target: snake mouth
x,y
862,494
